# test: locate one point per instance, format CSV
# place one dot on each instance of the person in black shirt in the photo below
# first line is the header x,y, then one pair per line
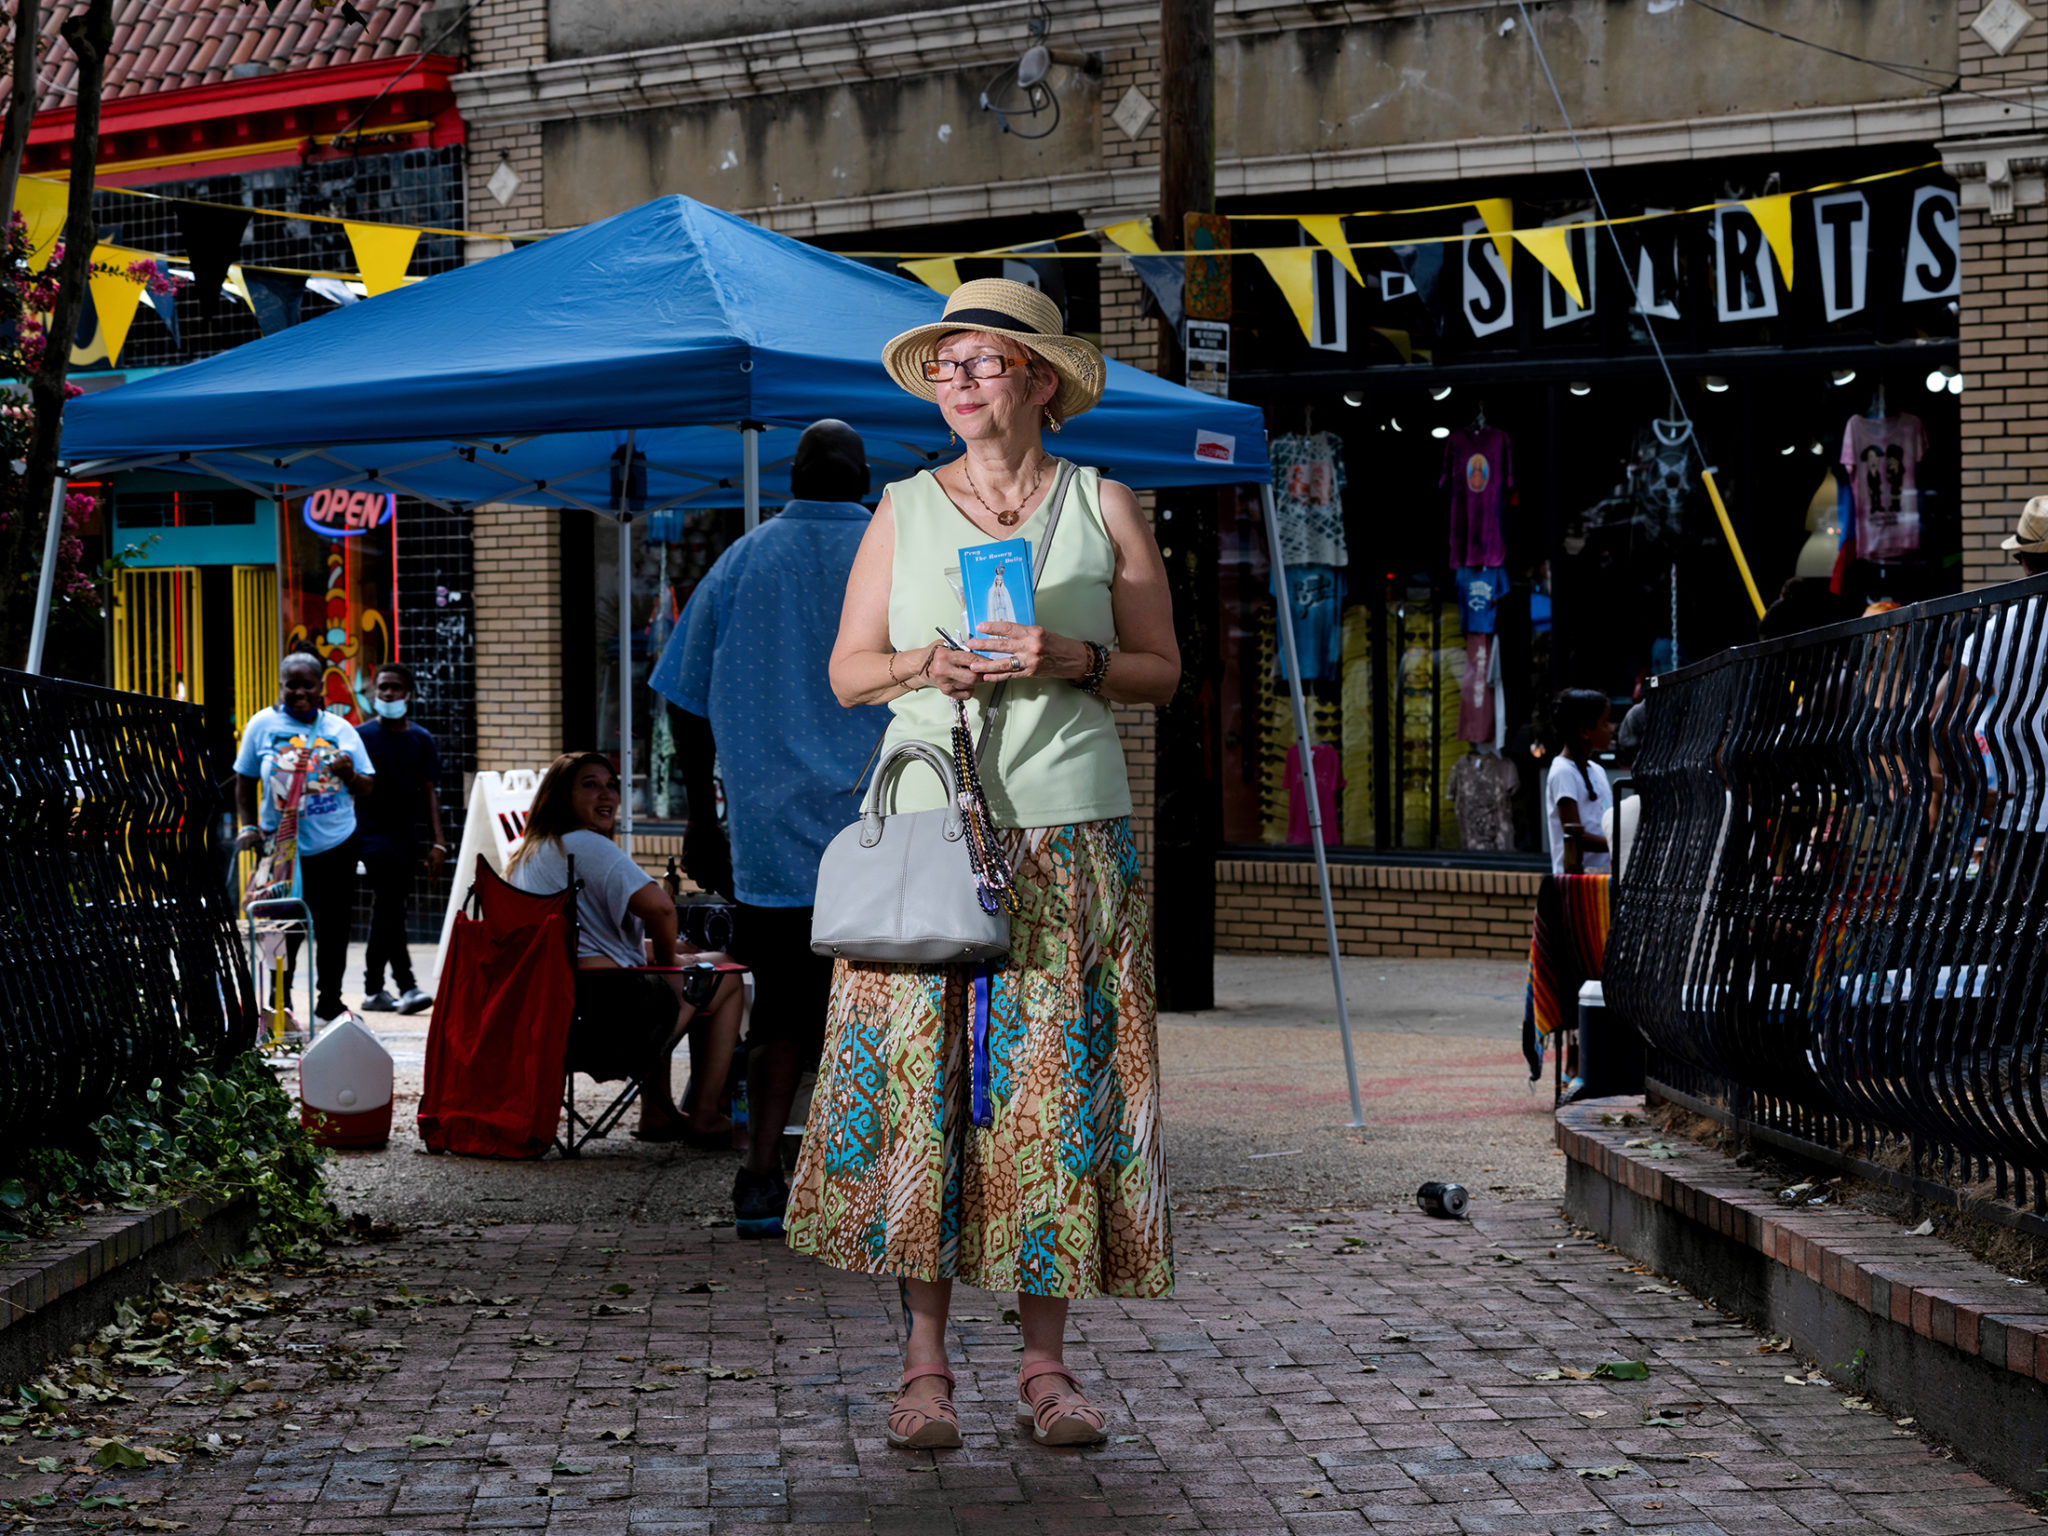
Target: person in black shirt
x,y
408,762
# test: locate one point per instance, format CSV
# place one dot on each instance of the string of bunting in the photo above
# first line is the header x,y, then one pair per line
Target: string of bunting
x,y
1290,266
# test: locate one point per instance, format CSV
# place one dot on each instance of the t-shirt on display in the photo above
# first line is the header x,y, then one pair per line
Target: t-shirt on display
x,y
1883,459
1308,482
1479,469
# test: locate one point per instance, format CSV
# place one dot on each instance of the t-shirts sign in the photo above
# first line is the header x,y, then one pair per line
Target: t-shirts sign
x,y
1841,233
1745,277
1489,296
1934,267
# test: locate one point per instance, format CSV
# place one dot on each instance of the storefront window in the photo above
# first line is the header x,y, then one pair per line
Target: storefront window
x,y
1428,677
672,551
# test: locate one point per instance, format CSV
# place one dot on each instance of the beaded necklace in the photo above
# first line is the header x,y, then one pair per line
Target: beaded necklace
x,y
994,886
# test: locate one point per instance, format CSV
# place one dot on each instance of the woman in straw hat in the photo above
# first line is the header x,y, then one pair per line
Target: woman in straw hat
x,y
1060,1191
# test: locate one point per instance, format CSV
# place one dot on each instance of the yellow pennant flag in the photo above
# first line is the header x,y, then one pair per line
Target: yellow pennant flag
x,y
42,205
383,252
1327,230
1294,272
1553,247
115,293
939,273
1135,236
1499,214
1774,217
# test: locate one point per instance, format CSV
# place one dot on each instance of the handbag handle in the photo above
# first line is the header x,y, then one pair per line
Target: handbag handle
x,y
1057,504
911,751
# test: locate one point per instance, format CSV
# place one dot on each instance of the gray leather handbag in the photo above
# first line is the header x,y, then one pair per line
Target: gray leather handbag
x,y
900,888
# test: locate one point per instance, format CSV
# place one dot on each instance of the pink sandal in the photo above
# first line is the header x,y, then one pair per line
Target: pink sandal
x,y
919,1429
1058,1417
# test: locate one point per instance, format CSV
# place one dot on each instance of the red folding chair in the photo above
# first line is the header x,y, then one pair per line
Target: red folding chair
x,y
513,1032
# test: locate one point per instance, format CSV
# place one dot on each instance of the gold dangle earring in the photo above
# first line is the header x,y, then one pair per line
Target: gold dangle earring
x,y
1052,422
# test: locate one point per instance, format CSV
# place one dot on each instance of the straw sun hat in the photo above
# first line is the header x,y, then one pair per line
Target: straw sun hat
x,y
2031,537
1003,308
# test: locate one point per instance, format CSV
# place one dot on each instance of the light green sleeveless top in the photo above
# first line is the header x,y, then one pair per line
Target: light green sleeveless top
x,y
1053,756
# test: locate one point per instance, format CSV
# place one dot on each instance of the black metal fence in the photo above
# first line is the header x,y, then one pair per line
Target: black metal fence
x,y
117,933
1831,927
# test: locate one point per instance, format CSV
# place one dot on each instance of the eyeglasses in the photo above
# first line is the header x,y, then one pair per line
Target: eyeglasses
x,y
986,366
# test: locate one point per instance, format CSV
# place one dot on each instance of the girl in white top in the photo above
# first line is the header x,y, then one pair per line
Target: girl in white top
x,y
1576,792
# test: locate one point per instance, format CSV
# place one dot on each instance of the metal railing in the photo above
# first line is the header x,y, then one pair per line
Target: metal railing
x,y
117,935
1831,928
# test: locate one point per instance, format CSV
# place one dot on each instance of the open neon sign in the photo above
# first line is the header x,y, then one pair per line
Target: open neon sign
x,y
339,514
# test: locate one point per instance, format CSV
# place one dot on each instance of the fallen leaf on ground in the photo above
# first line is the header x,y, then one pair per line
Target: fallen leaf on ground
x,y
616,1434
152,1523
652,1386
1623,1370
1308,1493
1592,1413
1663,1421
425,1442
353,1447
1925,1229
569,1469
1564,1373
1605,1474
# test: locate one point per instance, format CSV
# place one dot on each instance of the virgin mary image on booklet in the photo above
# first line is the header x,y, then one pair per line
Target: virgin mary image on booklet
x,y
996,582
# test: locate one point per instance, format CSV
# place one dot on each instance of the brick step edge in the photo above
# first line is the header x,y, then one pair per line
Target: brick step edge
x,y
56,1291
1945,1339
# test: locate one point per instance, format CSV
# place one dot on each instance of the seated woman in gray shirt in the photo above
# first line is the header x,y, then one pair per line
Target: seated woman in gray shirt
x,y
629,1020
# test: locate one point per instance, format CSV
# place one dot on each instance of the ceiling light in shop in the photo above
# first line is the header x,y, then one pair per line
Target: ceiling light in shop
x,y
1354,398
1716,385
1580,387
1955,385
1788,448
1818,448
1441,394
1394,422
1845,376
1937,381
1439,432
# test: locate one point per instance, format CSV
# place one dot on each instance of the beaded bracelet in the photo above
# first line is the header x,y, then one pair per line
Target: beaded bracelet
x,y
1098,668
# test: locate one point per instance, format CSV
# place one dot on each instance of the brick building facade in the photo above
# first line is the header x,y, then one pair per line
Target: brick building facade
x,y
576,109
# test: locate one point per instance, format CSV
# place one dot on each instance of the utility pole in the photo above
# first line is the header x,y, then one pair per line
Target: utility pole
x,y
1187,825
1187,132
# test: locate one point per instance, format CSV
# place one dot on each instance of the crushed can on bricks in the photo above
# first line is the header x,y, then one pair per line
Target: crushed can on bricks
x,y
1442,1199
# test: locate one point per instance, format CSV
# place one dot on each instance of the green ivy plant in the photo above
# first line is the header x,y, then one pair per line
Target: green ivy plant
x,y
227,1129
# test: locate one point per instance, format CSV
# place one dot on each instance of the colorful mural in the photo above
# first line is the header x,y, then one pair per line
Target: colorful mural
x,y
340,588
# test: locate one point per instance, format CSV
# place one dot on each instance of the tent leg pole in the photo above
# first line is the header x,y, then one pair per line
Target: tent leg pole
x,y
46,579
750,473
1308,783
626,683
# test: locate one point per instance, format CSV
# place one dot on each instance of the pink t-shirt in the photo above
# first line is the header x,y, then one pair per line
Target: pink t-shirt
x,y
1329,779
1883,459
1479,469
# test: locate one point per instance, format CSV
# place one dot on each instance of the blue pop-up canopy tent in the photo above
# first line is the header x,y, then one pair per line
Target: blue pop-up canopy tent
x,y
517,380
671,337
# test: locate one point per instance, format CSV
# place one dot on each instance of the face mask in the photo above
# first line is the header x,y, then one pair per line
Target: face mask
x,y
390,709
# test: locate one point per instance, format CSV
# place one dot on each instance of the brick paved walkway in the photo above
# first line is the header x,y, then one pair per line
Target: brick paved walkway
x,y
1322,1373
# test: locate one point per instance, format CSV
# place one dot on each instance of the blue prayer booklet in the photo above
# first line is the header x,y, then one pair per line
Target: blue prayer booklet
x,y
995,580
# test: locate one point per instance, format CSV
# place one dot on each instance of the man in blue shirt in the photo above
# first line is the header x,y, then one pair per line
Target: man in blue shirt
x,y
747,666
293,733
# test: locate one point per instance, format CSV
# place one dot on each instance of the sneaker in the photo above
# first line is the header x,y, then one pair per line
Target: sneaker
x,y
758,1201
413,1000
381,1002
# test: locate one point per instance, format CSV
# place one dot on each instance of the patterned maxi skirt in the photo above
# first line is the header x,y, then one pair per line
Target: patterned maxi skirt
x,y
1064,1193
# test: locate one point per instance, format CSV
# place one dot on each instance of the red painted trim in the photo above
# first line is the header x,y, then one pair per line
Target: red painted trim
x,y
372,145
296,89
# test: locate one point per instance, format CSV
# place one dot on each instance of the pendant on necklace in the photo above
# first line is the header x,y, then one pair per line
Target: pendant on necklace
x,y
1007,519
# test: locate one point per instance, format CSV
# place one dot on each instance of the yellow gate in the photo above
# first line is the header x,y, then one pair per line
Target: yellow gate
x,y
158,647
256,640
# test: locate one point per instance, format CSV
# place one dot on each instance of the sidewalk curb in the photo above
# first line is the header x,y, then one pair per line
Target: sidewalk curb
x,y
56,1291
1955,1345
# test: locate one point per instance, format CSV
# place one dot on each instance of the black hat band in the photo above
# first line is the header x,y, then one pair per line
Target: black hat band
x,y
993,317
